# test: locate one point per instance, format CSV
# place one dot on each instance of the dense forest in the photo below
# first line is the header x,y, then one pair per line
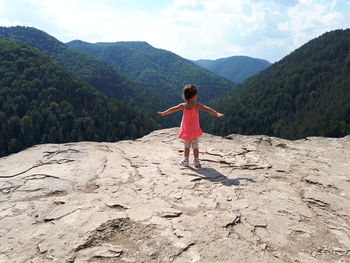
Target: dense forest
x,y
98,74
56,97
42,103
159,70
236,68
307,93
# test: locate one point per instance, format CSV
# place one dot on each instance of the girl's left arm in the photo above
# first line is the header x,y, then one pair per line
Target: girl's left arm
x,y
171,110
209,110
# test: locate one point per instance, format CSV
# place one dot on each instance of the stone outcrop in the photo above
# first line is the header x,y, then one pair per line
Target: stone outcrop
x,y
255,199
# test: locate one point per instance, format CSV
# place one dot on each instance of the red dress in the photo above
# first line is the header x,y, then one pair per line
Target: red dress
x,y
190,129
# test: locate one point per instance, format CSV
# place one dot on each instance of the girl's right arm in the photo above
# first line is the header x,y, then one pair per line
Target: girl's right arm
x,y
171,110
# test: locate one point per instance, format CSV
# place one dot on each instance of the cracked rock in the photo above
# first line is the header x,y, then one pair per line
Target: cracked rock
x,y
130,201
102,251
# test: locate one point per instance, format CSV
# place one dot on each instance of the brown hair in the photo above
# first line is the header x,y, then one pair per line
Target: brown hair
x,y
189,91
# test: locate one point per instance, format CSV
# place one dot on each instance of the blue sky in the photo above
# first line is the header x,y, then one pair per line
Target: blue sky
x,y
194,29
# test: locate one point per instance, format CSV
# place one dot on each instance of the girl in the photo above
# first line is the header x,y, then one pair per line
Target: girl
x,y
190,129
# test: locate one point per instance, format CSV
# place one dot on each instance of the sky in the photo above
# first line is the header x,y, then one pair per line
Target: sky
x,y
193,29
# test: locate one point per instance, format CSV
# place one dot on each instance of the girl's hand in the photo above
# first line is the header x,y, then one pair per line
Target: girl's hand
x,y
220,115
171,110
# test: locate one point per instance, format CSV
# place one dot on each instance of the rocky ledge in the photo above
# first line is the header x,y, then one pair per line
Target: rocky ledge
x,y
255,199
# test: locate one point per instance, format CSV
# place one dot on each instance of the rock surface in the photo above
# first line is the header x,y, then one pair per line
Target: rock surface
x,y
255,199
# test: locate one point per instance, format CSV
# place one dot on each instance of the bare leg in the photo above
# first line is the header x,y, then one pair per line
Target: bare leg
x,y
196,160
196,153
186,152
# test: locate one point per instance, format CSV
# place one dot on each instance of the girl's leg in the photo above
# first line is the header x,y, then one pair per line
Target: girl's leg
x,y
187,146
186,152
185,162
195,147
196,162
196,153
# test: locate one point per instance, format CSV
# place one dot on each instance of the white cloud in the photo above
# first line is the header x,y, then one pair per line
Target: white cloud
x,y
267,29
214,26
309,19
72,17
90,22
8,23
193,29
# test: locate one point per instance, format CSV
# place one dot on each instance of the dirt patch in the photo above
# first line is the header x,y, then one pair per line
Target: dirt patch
x,y
138,242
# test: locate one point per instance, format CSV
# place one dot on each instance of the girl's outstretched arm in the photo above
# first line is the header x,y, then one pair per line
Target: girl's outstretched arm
x,y
171,110
209,110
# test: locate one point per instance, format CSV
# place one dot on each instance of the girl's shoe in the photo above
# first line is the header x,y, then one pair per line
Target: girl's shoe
x,y
196,163
184,162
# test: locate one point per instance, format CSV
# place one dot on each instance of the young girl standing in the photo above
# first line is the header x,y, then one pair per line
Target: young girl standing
x,y
190,129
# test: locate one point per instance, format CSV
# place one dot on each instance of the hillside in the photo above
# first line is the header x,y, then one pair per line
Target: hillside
x,y
160,70
236,68
41,103
98,74
256,199
305,94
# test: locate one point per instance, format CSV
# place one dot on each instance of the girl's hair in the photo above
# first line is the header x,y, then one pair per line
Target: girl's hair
x,y
189,91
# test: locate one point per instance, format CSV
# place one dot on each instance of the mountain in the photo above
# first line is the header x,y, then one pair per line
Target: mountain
x,y
162,71
40,102
98,74
256,199
306,93
236,68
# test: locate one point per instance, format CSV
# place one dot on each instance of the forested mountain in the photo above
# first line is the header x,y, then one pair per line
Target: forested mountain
x,y
42,103
98,74
160,70
307,93
236,68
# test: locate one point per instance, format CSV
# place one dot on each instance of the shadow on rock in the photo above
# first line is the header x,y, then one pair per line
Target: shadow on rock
x,y
213,175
